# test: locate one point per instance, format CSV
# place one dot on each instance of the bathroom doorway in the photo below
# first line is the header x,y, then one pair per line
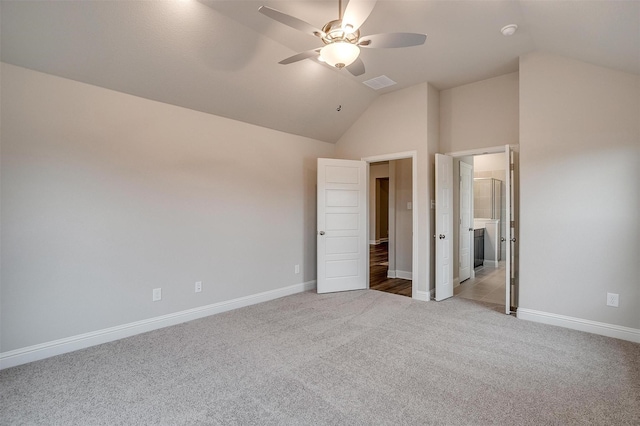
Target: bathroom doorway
x,y
489,239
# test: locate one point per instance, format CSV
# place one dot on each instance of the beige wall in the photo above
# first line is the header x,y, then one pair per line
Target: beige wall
x,y
480,115
580,189
404,218
106,196
398,122
375,171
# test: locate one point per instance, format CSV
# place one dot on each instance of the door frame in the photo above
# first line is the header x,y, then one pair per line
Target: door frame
x,y
506,149
469,234
413,155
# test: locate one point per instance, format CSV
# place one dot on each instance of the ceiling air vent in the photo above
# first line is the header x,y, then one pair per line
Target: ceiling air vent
x,y
379,82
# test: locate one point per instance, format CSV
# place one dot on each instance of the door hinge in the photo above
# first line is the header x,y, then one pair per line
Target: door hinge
x,y
512,167
513,224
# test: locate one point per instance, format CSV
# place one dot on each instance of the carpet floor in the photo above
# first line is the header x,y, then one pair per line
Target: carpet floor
x,y
354,358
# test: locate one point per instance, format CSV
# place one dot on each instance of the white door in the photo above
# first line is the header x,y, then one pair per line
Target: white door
x,y
343,257
444,227
466,229
511,284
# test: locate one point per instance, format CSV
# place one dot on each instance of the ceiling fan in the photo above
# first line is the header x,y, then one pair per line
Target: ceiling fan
x,y
341,37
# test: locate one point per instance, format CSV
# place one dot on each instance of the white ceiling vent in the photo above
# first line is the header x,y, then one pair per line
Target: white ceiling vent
x,y
379,82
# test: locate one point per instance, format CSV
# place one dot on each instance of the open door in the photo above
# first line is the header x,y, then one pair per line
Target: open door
x,y
466,226
511,285
444,227
343,255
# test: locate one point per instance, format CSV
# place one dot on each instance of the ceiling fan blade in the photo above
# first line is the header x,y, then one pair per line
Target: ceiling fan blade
x,y
390,40
289,20
356,68
357,12
300,56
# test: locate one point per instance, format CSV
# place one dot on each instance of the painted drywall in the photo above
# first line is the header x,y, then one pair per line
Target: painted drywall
x,y
580,189
489,163
404,218
397,122
106,196
433,147
376,170
479,115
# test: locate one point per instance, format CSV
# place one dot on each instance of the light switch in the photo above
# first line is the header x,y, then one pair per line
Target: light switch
x,y
409,205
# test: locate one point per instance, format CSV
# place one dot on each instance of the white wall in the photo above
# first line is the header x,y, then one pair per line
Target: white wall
x,y
106,196
580,190
480,115
398,122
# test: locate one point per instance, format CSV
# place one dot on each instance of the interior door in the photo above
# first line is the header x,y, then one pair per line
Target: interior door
x,y
466,228
343,256
444,226
512,244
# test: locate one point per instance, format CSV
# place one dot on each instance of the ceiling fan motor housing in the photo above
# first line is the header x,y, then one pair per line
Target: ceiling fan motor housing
x,y
334,32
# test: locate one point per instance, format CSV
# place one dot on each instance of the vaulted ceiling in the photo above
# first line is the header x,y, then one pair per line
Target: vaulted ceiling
x,y
221,57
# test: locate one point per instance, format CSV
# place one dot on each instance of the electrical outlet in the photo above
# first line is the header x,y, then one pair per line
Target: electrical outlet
x,y
296,269
157,294
613,299
198,286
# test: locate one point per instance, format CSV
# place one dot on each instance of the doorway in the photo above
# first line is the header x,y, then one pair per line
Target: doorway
x,y
343,224
390,225
495,217
482,228
397,273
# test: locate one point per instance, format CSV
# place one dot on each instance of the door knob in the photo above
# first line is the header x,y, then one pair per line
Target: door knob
x,y
441,236
470,229
321,232
513,240
503,239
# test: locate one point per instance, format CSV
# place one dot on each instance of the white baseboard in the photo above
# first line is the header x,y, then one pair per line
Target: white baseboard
x,y
404,275
601,328
82,341
422,295
456,282
391,273
492,263
376,242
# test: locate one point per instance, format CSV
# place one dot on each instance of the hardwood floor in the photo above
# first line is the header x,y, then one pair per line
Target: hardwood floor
x,y
378,266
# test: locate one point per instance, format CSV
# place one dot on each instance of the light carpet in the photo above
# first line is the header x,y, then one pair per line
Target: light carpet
x,y
354,358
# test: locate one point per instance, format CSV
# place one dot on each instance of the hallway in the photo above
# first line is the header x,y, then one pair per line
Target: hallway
x,y
378,267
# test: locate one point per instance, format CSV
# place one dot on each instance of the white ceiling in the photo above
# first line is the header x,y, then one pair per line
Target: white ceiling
x,y
221,57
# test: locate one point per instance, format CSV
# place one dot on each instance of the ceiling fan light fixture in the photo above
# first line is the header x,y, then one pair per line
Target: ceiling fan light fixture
x,y
340,54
